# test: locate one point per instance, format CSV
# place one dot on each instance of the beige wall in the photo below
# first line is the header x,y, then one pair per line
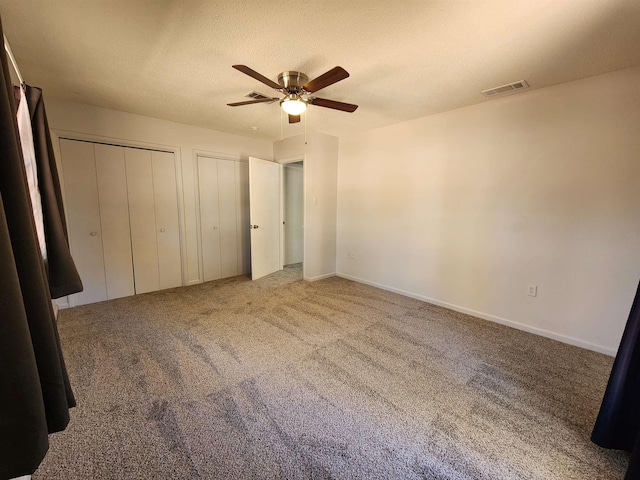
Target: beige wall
x,y
469,207
84,120
320,155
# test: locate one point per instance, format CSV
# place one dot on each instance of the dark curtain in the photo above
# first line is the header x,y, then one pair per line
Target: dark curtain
x,y
35,395
618,423
63,276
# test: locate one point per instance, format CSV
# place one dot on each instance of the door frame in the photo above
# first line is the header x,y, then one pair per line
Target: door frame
x,y
305,182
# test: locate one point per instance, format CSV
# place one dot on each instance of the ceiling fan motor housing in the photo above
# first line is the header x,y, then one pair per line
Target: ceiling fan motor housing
x,y
292,82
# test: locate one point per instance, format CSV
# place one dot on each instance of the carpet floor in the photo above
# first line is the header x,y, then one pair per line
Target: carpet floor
x,y
285,379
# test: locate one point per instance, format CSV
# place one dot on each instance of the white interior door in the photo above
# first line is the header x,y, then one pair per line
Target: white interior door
x,y
142,216
114,218
83,219
264,216
228,217
165,198
209,217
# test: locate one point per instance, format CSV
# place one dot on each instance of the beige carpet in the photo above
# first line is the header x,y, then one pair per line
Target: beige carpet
x,y
282,378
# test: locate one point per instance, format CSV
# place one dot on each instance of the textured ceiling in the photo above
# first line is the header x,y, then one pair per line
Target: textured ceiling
x,y
407,59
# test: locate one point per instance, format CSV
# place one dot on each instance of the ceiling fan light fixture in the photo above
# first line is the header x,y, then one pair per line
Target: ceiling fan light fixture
x,y
296,88
293,105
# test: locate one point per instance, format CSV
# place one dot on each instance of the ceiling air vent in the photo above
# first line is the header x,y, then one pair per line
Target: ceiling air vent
x,y
257,96
504,89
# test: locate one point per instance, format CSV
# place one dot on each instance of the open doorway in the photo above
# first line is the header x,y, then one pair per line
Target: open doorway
x,y
293,216
276,216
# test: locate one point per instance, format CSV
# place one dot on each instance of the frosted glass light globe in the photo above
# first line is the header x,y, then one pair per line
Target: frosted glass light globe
x,y
293,105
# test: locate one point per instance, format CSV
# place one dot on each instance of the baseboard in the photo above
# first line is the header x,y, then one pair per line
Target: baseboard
x,y
60,304
319,277
485,316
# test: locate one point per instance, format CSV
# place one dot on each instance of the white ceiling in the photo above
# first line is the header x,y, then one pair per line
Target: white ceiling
x,y
407,58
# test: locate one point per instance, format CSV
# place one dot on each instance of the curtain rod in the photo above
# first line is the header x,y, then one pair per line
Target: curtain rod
x,y
12,58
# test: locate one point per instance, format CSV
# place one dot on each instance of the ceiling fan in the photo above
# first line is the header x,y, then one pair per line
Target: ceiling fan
x,y
297,89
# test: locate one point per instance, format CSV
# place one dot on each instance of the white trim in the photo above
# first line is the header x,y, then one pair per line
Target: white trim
x,y
485,316
7,47
118,142
282,217
219,156
62,302
320,277
292,159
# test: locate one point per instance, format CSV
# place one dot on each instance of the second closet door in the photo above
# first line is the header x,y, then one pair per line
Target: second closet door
x,y
224,219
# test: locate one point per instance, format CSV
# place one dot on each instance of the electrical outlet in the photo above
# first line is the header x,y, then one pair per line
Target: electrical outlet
x,y
532,290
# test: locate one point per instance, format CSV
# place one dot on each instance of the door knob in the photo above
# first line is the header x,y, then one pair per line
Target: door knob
x,y
255,226
215,227
162,230
93,234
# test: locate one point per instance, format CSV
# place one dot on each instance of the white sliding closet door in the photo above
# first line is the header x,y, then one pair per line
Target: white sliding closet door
x,y
209,218
223,187
167,224
142,217
114,218
228,219
153,217
83,218
123,219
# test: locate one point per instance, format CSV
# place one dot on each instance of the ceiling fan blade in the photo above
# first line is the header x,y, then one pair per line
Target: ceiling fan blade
x,y
261,78
294,118
323,102
329,78
249,102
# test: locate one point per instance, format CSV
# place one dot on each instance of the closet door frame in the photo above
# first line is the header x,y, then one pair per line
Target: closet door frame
x,y
196,176
56,135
